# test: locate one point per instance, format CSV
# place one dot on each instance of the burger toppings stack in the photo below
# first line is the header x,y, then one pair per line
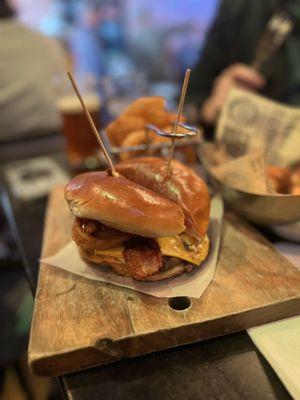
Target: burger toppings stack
x,y
138,223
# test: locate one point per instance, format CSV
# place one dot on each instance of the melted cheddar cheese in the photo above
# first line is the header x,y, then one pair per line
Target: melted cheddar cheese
x,y
170,246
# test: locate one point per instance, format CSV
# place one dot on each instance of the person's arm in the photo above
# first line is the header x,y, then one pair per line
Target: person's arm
x,y
215,55
236,75
217,70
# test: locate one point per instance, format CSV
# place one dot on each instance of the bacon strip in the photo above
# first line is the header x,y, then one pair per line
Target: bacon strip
x,y
143,257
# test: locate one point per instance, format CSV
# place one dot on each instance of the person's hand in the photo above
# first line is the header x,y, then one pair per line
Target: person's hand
x,y
237,75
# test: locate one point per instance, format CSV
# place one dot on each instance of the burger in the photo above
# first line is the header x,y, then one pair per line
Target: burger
x,y
140,229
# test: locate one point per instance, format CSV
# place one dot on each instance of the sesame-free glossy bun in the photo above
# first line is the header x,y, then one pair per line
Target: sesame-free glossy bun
x,y
123,205
183,186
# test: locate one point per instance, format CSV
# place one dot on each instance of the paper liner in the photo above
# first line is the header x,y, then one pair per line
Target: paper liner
x,y
245,173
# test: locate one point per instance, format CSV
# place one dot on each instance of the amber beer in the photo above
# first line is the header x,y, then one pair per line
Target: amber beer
x,y
81,144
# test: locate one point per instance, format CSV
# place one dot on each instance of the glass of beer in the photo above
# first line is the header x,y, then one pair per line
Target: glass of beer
x,y
81,144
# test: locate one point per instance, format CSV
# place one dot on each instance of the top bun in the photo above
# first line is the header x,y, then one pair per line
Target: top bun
x,y
124,205
184,187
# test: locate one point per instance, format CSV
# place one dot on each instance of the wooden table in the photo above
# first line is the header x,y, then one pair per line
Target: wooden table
x,y
223,368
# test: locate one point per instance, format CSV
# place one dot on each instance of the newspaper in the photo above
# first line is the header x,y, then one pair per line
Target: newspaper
x,y
245,173
250,122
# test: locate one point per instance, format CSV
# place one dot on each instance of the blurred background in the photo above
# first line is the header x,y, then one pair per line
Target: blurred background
x,y
148,44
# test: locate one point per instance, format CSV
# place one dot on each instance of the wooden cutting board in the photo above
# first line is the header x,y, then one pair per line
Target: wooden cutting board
x,y
79,323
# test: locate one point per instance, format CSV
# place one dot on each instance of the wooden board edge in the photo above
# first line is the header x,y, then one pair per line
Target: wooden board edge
x,y
108,351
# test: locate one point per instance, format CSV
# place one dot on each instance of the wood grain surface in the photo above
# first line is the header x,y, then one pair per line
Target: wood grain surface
x,y
79,323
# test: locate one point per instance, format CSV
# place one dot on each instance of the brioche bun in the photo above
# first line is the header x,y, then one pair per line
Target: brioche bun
x,y
184,187
123,205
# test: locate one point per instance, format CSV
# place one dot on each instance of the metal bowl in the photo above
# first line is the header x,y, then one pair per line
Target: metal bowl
x,y
262,209
288,231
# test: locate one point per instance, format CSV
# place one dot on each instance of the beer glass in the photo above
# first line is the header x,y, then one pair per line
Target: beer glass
x,y
81,144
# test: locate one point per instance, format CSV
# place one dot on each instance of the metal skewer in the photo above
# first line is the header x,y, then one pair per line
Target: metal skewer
x,y
178,135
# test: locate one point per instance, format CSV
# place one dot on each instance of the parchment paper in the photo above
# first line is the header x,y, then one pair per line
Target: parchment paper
x,y
191,284
245,173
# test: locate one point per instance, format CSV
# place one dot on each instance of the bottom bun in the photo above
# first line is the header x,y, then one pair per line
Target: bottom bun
x,y
120,268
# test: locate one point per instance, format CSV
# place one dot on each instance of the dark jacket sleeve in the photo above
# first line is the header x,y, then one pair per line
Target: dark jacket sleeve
x,y
218,51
